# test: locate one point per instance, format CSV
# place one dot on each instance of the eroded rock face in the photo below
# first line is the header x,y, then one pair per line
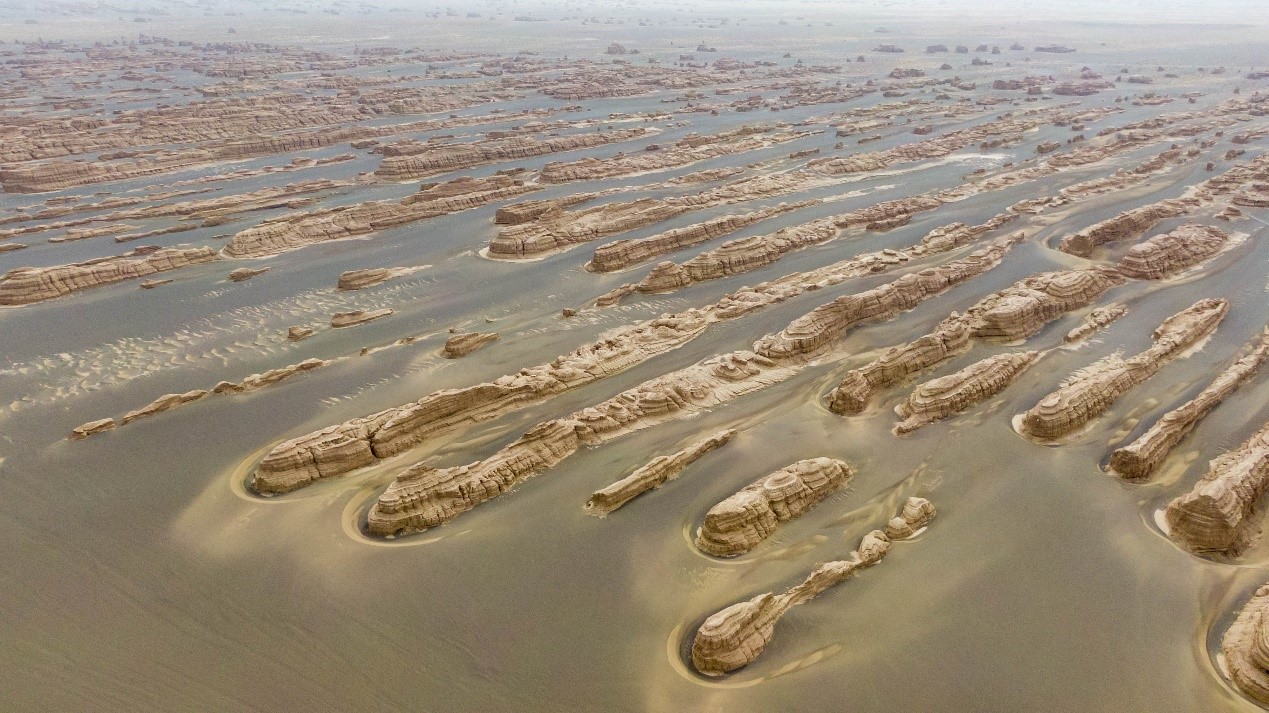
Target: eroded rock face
x,y
297,230
736,636
461,345
1089,392
163,403
1095,320
432,159
1170,253
296,334
92,428
742,521
945,396
361,279
1217,515
425,497
268,378
1246,647
246,273
1138,460
1015,313
352,319
653,475
26,285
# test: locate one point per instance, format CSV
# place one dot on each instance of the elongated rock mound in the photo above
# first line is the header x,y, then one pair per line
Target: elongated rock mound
x,y
1216,516
423,497
1167,254
948,395
352,319
26,285
742,521
1246,647
1095,320
1139,459
361,279
736,636
653,475
1089,392
461,345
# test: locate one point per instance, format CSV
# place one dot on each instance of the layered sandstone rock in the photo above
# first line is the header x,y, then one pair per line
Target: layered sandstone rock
x,y
624,253
1014,313
1217,515
25,285
1139,459
658,471
268,378
92,428
685,151
1167,254
361,279
742,521
1246,648
163,403
945,396
825,324
736,636
296,334
246,273
356,317
297,230
423,497
432,159
1095,320
1089,392
461,345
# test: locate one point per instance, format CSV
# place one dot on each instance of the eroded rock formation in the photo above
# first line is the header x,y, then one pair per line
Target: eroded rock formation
x,y
1170,253
736,636
461,345
945,396
26,285
431,159
1095,320
1090,391
653,475
742,521
1217,515
355,317
361,279
1246,647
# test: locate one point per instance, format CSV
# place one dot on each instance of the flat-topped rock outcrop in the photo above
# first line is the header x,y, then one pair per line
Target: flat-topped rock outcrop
x,y
653,475
1218,515
945,396
163,403
26,285
423,497
370,277
1089,392
356,317
1139,460
742,521
1170,253
737,635
460,345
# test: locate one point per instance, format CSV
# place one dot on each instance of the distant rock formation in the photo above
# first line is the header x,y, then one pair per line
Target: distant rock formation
x,y
653,475
356,317
736,636
742,521
92,428
1139,459
431,159
246,273
1089,392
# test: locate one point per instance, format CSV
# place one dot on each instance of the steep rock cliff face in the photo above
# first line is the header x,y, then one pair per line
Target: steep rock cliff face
x,y
1217,516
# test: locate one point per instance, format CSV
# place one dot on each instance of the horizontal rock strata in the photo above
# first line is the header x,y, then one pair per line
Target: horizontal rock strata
x,y
1095,320
461,345
736,636
945,396
653,475
742,521
1170,253
1089,392
441,158
26,285
1217,516
361,279
1245,647
1139,459
356,317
